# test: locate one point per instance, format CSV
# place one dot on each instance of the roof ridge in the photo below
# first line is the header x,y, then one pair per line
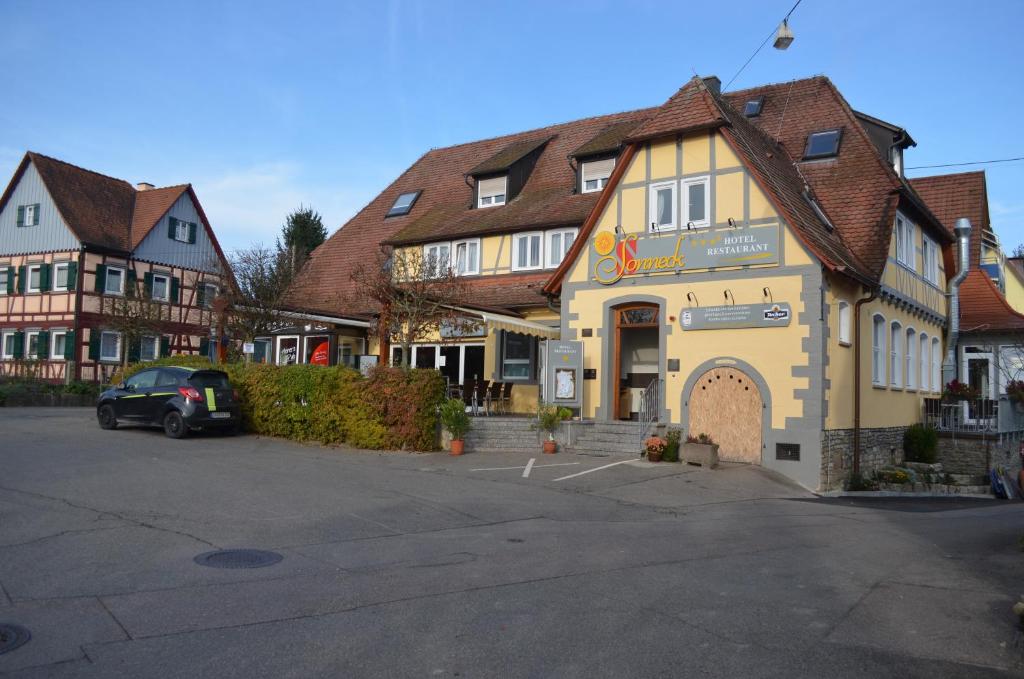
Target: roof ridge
x,y
33,154
950,174
780,83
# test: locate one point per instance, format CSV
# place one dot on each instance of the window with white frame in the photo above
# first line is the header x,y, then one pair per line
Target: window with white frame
x,y
149,348
878,351
596,174
31,215
491,192
210,291
558,245
696,194
181,231
436,258
936,365
5,273
58,344
110,346
923,358
161,287
931,260
1011,365
60,276
114,283
32,344
35,275
905,249
7,348
844,323
516,356
911,356
527,251
467,257
896,355
663,206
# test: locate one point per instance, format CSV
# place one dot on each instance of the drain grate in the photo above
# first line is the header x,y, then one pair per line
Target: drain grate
x,y
238,558
12,636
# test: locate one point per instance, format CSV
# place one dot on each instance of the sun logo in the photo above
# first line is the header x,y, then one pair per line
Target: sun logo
x,y
604,243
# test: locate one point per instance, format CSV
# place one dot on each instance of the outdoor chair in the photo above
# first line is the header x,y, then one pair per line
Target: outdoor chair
x,y
480,394
505,402
493,397
469,395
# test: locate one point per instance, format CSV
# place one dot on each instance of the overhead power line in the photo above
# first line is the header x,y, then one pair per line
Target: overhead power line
x,y
760,47
976,162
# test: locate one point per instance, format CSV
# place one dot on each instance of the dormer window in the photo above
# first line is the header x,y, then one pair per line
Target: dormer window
x,y
752,108
403,204
596,173
896,158
824,144
491,192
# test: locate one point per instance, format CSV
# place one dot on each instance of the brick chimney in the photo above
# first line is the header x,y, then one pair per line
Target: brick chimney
x,y
144,186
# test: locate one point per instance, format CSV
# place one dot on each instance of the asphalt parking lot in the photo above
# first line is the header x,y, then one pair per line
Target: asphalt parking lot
x,y
486,565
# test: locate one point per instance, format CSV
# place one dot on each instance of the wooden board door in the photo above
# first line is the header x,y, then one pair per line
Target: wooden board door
x,y
726,404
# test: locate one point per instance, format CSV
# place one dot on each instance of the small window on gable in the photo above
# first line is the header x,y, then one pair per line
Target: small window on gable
x,y
596,173
696,197
403,204
753,106
823,144
663,206
491,192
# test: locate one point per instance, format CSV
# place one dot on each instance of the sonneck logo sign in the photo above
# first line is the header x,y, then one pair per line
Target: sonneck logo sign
x,y
644,254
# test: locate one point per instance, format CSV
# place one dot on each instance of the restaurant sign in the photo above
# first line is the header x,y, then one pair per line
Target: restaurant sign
x,y
736,316
651,253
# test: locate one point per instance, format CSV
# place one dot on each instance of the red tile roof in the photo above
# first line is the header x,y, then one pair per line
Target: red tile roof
x,y
983,308
150,206
951,196
691,108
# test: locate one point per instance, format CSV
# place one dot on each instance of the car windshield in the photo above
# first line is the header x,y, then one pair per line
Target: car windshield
x,y
209,379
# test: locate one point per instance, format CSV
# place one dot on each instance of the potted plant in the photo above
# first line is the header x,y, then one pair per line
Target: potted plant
x,y
655,448
549,418
456,422
701,450
1015,390
672,440
958,391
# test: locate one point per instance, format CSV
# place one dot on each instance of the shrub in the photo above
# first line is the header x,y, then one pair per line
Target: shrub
x,y
857,482
454,418
700,438
672,439
921,444
892,476
549,417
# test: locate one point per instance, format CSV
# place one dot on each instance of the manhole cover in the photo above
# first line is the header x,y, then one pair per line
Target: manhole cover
x,y
12,636
238,558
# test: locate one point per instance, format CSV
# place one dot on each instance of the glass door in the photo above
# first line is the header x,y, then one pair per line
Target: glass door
x,y
979,372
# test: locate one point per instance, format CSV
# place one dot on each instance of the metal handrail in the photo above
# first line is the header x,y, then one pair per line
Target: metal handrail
x,y
968,416
649,408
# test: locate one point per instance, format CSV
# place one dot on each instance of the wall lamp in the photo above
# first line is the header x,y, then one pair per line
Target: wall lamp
x,y
728,296
767,292
692,298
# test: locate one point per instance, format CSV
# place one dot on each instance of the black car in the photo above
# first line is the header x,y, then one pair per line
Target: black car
x,y
177,399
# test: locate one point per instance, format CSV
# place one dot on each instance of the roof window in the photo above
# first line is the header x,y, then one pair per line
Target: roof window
x,y
824,144
753,106
403,204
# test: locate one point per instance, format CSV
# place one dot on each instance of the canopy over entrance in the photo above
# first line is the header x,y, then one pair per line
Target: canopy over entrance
x,y
511,323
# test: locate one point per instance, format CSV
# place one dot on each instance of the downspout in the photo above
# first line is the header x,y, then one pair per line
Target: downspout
x,y
856,376
963,237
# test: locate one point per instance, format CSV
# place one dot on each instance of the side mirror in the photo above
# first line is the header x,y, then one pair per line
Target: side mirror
x,y
123,386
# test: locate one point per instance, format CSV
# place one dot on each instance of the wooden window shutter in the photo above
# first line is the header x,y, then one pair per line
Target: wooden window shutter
x,y
72,275
165,346
36,211
44,277
22,275
192,232
135,350
43,344
94,345
70,349
147,284
131,283
204,346
200,294
172,228
101,277
21,215
11,273
175,291
19,344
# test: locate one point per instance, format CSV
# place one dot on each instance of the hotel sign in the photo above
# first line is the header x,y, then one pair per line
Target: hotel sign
x,y
679,252
775,315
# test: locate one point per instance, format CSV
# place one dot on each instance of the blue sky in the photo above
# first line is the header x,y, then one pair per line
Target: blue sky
x,y
266,105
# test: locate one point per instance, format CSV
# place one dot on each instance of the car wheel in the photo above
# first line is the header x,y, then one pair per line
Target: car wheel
x,y
174,425
106,417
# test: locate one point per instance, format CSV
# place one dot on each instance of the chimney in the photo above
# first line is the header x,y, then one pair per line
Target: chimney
x,y
144,186
713,84
963,238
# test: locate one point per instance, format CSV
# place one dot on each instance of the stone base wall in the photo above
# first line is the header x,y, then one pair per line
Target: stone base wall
x,y
879,448
977,455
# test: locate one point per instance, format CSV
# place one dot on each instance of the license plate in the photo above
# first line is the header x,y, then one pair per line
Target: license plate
x,y
220,415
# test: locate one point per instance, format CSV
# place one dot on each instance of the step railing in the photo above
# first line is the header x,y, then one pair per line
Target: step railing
x,y
650,407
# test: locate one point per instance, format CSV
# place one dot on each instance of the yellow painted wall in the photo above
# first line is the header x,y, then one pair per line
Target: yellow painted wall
x,y
1014,288
911,283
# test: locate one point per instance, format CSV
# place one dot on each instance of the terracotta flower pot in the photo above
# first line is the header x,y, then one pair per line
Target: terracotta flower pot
x,y
653,456
550,447
458,445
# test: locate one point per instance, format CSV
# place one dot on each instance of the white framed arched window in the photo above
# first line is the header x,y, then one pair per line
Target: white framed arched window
x,y
925,365
878,350
936,365
896,355
911,356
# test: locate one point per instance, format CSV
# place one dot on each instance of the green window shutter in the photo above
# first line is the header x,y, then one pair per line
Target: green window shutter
x,y
44,277
22,274
172,227
165,346
204,346
101,277
175,291
72,275
70,350
19,344
11,274
135,350
130,284
192,233
200,295
147,284
36,212
43,344
94,345
21,215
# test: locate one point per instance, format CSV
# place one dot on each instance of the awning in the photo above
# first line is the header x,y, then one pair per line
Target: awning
x,y
511,324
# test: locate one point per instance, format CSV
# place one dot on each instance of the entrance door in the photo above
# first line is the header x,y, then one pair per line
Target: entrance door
x,y
979,370
637,356
726,405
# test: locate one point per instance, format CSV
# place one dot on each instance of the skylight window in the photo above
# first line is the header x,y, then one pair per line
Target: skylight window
x,y
753,107
403,204
823,144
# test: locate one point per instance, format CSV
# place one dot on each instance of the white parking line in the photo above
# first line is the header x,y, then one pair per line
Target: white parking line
x,y
595,469
538,466
529,466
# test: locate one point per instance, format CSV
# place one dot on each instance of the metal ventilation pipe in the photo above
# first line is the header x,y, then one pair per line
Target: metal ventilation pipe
x,y
963,239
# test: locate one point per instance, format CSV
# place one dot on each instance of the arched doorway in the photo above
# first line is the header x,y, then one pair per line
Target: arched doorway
x,y
637,355
726,404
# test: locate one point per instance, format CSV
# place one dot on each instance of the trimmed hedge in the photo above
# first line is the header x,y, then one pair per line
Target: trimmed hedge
x,y
392,409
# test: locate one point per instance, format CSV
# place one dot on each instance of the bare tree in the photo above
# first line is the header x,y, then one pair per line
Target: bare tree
x,y
254,300
414,297
135,314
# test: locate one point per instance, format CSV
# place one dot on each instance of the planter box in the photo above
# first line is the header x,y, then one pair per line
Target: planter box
x,y
704,454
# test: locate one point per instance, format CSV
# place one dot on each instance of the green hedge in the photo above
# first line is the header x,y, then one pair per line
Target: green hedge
x,y
392,409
